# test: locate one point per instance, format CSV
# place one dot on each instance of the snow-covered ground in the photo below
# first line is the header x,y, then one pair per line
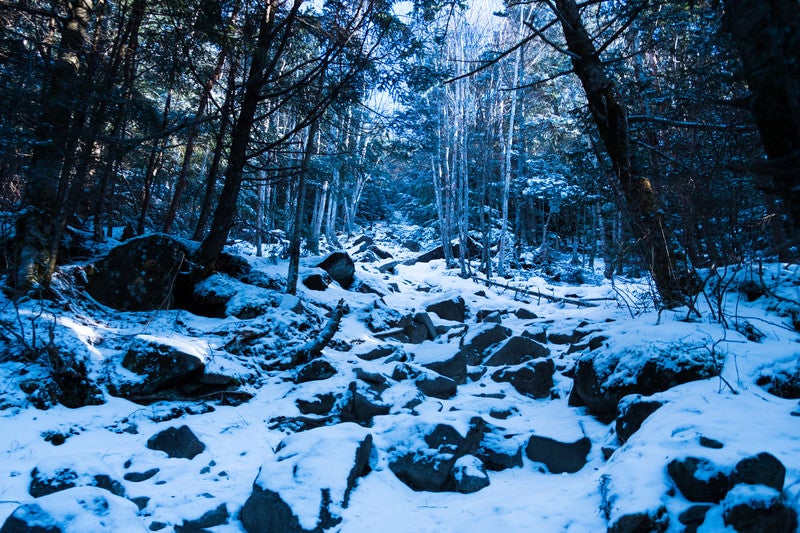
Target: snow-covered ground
x,y
256,441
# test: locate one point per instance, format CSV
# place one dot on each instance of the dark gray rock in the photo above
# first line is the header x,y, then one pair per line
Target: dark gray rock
x,y
75,509
475,342
317,281
361,406
656,521
453,367
693,517
377,353
316,370
177,443
525,314
534,379
632,412
340,267
698,479
648,373
138,275
516,350
437,386
469,475
215,517
762,469
322,405
499,451
138,477
750,509
52,480
266,512
163,367
454,309
558,456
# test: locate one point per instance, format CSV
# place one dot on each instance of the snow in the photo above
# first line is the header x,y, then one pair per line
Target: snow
x,y
245,445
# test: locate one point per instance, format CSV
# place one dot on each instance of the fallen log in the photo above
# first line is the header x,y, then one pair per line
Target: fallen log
x,y
313,348
536,294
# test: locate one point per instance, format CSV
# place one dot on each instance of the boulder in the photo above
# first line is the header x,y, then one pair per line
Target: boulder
x,y
693,517
309,480
656,521
75,510
762,469
500,451
361,405
430,467
138,275
534,379
316,370
698,479
632,412
340,267
436,386
214,517
163,363
453,308
756,509
60,473
604,376
558,456
477,340
516,350
469,475
210,296
451,365
317,281
321,405
378,352
177,443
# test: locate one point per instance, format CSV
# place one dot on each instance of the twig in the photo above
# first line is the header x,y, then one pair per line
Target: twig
x,y
553,298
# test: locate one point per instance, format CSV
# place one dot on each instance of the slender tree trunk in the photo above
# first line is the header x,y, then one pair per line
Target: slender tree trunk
x,y
767,35
36,228
673,273
299,212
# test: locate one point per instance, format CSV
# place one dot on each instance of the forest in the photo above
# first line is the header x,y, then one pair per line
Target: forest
x,y
399,265
659,134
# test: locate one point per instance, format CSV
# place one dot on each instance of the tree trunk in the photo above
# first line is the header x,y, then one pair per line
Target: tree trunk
x,y
299,212
673,273
34,250
767,35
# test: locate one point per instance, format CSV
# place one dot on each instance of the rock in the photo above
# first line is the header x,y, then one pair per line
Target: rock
x,y
215,517
437,386
309,481
693,517
60,473
469,475
762,469
412,245
340,267
707,442
477,340
489,317
656,521
757,509
317,281
377,352
604,376
499,451
534,379
361,407
632,412
425,470
138,275
321,406
698,479
452,308
75,510
138,477
265,512
430,466
162,363
516,350
316,370
210,296
560,338
425,320
379,252
558,456
525,314
784,383
453,366
177,443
